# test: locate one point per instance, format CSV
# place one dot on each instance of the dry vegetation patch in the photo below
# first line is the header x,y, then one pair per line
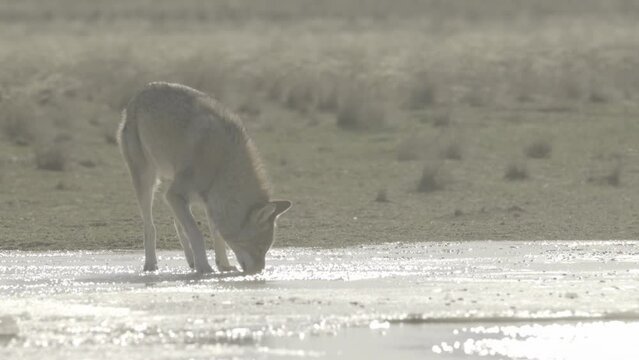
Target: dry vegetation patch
x,y
17,118
516,170
539,149
413,148
51,156
452,150
607,172
382,196
433,177
301,71
359,110
423,91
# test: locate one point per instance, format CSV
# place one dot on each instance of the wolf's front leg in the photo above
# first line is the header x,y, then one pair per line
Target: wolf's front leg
x,y
182,213
221,257
186,244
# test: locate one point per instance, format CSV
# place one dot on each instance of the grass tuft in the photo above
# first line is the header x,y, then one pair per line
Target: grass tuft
x,y
538,149
87,163
411,149
360,111
516,171
612,177
51,157
452,151
382,196
423,92
432,178
438,118
17,121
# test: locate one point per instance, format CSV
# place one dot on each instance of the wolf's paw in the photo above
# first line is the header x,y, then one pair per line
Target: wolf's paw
x,y
205,269
191,263
150,267
226,268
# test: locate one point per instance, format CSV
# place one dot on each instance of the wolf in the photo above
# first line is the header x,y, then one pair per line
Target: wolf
x,y
178,135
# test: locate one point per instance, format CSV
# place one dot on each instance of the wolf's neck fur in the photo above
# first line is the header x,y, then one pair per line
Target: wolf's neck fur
x,y
240,188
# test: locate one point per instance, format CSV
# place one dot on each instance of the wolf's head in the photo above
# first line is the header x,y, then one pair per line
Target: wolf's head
x,y
256,236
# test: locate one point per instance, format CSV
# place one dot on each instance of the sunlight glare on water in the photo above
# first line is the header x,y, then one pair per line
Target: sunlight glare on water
x,y
591,340
509,299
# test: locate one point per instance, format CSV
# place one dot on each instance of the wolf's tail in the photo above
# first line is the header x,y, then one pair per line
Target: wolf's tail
x,y
129,137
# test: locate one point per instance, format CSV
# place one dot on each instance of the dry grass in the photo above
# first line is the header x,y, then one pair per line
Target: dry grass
x,y
63,185
437,117
325,72
538,149
359,110
51,157
413,148
433,177
87,163
249,109
302,94
516,171
425,67
109,135
382,196
17,121
166,13
609,173
452,150
441,118
205,70
423,147
423,92
614,177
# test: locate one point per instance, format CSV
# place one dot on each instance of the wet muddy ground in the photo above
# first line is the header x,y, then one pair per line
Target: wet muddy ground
x,y
529,300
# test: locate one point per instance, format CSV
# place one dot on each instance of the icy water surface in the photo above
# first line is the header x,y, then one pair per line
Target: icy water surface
x,y
525,300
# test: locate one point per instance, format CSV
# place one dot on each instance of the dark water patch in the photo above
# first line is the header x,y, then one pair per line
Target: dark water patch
x,y
9,329
545,317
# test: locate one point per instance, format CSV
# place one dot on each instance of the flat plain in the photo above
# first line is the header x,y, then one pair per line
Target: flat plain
x,y
417,121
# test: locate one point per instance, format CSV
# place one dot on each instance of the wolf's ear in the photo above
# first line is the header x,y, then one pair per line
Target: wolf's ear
x,y
270,211
262,214
281,206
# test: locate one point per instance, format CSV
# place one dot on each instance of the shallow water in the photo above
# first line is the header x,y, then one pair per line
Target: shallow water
x,y
536,300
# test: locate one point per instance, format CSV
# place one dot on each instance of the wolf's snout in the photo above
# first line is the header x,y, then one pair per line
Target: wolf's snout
x,y
250,266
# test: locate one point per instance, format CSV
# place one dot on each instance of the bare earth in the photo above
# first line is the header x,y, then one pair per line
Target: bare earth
x,y
333,178
527,300
464,177
465,100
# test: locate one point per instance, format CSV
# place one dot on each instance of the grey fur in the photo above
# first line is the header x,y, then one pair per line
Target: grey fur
x,y
173,133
